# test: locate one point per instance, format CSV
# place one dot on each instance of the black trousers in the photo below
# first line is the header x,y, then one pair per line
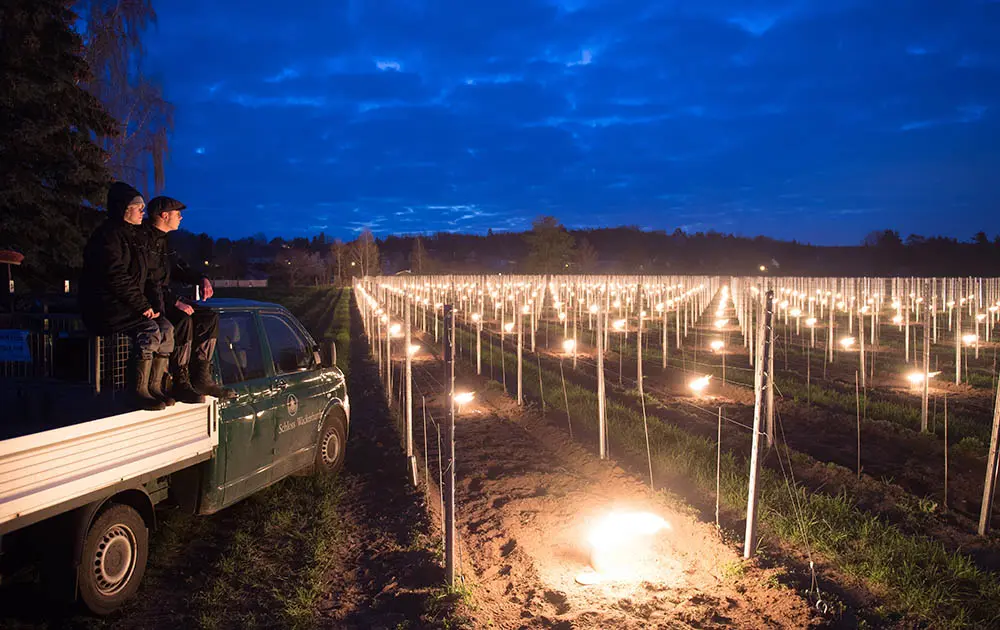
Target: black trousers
x,y
196,331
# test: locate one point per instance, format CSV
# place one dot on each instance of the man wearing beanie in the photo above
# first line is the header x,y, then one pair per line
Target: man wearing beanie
x,y
111,291
197,327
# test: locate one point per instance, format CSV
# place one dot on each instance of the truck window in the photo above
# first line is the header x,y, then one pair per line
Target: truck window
x,y
289,350
240,358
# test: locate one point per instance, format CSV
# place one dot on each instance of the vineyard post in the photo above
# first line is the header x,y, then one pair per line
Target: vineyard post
x,y
946,451
761,376
449,480
958,345
601,408
926,368
769,391
407,316
991,471
520,354
857,403
718,470
388,355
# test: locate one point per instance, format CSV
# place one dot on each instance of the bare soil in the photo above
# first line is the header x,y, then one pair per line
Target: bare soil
x,y
528,495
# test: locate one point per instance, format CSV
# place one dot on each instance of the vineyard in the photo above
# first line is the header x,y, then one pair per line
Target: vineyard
x,y
871,401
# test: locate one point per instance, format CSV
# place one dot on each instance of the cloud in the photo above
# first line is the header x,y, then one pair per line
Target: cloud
x,y
431,115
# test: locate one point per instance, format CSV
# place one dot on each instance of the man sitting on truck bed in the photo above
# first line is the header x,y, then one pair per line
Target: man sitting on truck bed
x,y
111,298
192,326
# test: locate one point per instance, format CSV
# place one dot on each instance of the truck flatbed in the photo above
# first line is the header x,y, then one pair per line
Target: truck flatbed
x,y
46,473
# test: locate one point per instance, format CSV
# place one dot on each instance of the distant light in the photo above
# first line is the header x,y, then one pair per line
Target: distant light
x,y
618,324
569,345
476,317
593,308
716,345
394,329
762,268
509,326
412,350
980,317
811,321
562,316
847,342
897,319
464,397
525,309
970,339
659,307
795,312
616,303
721,323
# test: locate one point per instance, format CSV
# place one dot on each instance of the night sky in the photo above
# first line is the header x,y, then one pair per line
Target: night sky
x,y
818,121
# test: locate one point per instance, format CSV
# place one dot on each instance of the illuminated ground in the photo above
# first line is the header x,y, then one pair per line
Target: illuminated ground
x,y
527,500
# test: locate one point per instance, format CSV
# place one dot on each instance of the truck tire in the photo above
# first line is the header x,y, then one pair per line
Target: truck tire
x,y
332,445
114,559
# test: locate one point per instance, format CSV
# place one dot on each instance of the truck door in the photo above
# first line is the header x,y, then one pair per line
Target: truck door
x,y
247,428
301,394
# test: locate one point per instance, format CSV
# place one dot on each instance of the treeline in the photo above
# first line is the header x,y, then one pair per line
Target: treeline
x,y
550,248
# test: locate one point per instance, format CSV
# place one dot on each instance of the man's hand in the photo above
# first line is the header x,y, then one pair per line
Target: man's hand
x,y
149,313
184,307
206,289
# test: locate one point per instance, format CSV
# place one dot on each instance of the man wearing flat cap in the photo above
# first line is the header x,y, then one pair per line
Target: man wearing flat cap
x,y
195,329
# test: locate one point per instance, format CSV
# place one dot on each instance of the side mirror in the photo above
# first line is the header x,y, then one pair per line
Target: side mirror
x,y
328,352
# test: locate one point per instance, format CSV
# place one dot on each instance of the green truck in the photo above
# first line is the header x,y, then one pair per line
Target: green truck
x,y
80,498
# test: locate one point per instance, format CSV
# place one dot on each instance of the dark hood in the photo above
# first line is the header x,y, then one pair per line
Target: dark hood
x,y
119,196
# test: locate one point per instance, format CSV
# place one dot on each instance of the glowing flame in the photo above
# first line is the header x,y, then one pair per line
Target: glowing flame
x,y
811,322
897,319
618,324
716,345
721,323
569,345
795,312
562,316
699,384
509,326
917,378
394,329
476,317
847,342
593,308
412,350
620,538
464,397
970,339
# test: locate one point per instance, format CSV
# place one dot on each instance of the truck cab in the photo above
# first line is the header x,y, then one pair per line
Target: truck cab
x,y
284,395
86,482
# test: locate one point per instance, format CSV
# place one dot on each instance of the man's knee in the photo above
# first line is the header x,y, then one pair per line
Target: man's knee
x,y
145,338
206,324
182,325
166,330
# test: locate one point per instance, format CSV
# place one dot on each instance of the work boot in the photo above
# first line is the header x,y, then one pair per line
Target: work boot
x,y
182,386
201,380
156,374
139,385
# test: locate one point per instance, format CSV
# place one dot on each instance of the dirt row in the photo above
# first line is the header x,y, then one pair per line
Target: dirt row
x,y
527,496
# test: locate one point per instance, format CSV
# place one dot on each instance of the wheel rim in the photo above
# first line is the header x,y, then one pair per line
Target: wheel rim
x,y
114,559
331,447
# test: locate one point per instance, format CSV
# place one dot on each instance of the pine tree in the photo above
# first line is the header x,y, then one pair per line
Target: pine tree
x,y
52,172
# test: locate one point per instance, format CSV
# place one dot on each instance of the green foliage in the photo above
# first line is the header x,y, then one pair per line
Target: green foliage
x,y
550,246
52,172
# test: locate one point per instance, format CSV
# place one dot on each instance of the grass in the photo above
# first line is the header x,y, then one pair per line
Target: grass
x,y
914,575
274,569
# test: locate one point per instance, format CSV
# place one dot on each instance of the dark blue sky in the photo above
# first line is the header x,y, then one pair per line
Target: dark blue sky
x,y
816,120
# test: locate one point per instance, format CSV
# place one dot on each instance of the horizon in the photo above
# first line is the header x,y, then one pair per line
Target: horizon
x,y
805,121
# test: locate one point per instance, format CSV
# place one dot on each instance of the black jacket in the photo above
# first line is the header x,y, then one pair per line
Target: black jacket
x,y
114,269
164,267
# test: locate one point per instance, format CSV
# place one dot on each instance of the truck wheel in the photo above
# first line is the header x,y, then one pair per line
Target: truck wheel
x,y
332,445
114,559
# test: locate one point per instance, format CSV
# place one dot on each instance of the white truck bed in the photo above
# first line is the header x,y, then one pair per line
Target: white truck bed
x,y
42,472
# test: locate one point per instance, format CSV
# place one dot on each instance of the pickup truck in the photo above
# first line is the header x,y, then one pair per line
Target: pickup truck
x,y
82,496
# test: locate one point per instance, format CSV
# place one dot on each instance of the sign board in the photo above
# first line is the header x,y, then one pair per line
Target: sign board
x,y
14,346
